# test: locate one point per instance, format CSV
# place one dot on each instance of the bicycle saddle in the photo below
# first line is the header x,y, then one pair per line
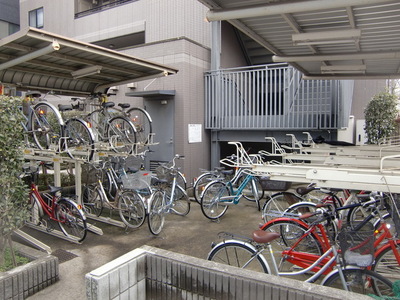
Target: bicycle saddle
x,y
124,105
64,107
54,189
263,237
108,104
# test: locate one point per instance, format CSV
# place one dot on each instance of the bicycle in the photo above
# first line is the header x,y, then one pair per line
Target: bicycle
x,y
114,129
167,196
217,195
387,247
139,117
50,206
349,274
129,204
282,203
43,122
50,132
80,140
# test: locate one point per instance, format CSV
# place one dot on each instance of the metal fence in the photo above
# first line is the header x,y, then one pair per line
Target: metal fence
x,y
273,97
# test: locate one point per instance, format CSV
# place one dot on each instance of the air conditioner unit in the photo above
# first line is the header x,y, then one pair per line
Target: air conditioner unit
x,y
132,85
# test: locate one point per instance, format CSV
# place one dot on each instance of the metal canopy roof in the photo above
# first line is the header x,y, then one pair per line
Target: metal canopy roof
x,y
36,59
344,39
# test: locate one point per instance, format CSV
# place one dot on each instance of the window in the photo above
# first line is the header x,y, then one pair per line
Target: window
x,y
87,7
36,18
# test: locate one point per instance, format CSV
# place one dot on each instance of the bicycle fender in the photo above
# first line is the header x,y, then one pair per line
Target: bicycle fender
x,y
248,245
77,206
263,226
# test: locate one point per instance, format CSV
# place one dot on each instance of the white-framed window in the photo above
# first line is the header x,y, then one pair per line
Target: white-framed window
x,y
36,18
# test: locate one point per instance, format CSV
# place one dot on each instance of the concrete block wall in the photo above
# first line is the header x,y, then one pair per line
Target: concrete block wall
x,y
152,273
26,280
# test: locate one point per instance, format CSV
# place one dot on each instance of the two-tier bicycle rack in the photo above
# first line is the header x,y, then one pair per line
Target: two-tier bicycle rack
x,y
56,159
365,167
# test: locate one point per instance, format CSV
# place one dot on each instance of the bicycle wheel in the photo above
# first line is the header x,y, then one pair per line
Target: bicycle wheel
x,y
46,124
291,231
71,220
211,204
277,204
80,140
143,124
156,215
181,202
238,254
361,281
201,183
253,190
121,135
386,263
181,180
131,209
92,200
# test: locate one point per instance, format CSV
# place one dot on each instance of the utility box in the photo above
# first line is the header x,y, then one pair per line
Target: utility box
x,y
361,135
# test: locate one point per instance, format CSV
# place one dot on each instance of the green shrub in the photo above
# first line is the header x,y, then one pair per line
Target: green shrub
x,y
13,192
380,115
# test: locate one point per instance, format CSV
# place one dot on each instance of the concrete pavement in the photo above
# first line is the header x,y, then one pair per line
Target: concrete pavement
x,y
190,235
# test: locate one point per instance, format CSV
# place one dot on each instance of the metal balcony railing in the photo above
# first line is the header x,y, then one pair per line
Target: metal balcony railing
x,y
274,97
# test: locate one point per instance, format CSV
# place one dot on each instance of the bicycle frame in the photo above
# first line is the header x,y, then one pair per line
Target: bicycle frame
x,y
47,209
237,193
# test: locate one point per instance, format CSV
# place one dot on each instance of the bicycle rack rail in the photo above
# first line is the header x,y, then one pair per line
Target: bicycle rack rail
x,y
366,167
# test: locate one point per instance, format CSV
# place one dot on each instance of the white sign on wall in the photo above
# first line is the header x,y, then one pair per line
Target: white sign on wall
x,y
194,135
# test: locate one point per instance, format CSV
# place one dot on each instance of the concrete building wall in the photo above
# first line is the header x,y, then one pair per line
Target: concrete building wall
x,y
175,35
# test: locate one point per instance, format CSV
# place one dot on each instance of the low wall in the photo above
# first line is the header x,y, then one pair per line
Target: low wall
x,y
26,280
152,273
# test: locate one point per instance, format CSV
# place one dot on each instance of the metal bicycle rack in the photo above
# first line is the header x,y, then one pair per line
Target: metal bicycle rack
x,y
32,154
366,167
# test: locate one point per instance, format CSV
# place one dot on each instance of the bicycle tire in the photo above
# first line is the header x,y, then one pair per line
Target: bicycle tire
x,y
181,180
181,202
386,263
92,200
201,183
156,217
275,206
47,125
141,119
121,134
71,220
132,210
79,140
361,281
238,254
211,206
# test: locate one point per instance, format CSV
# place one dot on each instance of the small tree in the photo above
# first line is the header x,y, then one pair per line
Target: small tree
x,y
380,115
13,192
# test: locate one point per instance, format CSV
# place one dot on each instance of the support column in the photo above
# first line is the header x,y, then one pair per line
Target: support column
x,y
215,45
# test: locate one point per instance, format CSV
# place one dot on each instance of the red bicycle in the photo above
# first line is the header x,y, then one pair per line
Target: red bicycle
x,y
49,207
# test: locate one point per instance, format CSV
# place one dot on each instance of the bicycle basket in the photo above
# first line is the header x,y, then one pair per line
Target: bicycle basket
x,y
357,247
136,181
164,173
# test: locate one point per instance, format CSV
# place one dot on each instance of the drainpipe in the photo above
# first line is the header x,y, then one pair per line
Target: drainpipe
x,y
54,46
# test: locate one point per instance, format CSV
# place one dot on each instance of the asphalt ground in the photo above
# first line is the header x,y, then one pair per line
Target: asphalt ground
x,y
190,235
